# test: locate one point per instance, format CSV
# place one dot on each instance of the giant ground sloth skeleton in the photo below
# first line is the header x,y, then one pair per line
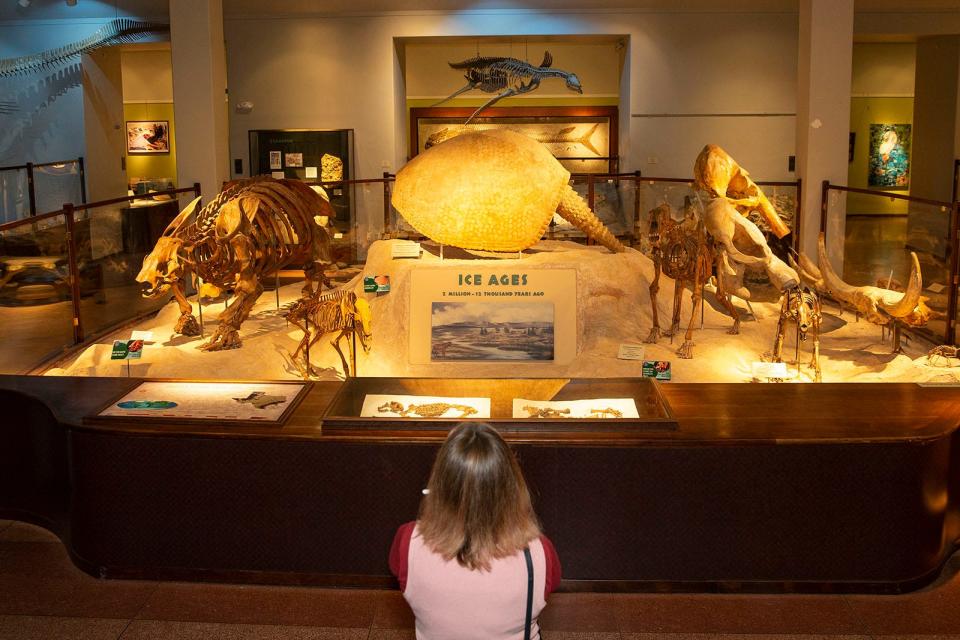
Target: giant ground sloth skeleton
x,y
249,232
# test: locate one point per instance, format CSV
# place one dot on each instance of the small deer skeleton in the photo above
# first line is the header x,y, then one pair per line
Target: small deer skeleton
x,y
339,310
506,77
681,252
801,306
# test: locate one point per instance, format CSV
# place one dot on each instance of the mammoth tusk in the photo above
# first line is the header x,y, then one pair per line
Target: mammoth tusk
x,y
832,282
808,271
911,297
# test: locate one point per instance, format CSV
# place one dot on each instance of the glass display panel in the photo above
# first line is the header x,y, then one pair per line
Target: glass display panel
x,y
14,195
112,242
56,185
36,309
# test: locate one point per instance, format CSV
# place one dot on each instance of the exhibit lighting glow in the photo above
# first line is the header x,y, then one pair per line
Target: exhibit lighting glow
x,y
23,3
71,3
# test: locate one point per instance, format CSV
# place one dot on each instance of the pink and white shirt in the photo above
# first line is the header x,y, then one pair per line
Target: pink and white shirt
x,y
453,602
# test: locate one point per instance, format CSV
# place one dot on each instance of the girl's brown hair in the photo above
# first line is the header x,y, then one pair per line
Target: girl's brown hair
x,y
478,506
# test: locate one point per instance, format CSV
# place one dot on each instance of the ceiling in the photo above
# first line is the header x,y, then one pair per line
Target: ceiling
x,y
99,9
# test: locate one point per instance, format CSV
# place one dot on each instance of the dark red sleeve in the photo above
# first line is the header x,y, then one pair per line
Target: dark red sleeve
x,y
400,552
553,566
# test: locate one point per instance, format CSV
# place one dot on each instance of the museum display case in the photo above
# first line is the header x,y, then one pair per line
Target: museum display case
x,y
535,405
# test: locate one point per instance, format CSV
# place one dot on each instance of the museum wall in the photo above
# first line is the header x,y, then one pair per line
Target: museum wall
x,y
882,89
148,95
691,78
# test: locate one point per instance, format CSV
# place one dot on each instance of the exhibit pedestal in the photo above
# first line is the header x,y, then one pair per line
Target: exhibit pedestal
x,y
760,488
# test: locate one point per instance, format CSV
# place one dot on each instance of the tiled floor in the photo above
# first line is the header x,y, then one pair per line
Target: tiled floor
x,y
42,595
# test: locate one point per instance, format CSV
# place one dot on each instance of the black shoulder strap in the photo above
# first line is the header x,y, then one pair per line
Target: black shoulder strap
x,y
526,628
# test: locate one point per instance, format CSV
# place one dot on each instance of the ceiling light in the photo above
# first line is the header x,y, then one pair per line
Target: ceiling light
x,y
71,3
23,3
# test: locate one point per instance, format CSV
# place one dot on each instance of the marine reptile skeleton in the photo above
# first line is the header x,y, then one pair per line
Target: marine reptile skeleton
x,y
507,77
250,231
118,31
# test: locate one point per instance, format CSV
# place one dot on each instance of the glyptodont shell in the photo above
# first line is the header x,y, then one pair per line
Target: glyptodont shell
x,y
492,191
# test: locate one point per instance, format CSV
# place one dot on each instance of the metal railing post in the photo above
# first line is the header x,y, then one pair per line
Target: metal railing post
x,y
82,173
591,200
196,189
387,222
797,227
31,190
68,213
950,331
824,206
636,206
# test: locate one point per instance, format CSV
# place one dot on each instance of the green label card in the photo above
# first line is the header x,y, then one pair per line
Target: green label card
x,y
659,369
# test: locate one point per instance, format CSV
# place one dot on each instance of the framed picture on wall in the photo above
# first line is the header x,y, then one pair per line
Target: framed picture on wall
x,y
148,136
889,156
583,139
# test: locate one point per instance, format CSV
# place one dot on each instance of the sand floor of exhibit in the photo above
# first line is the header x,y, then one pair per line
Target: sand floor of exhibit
x,y
613,308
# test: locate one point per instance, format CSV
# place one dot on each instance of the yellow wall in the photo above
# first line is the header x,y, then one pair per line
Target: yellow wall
x,y
160,165
864,112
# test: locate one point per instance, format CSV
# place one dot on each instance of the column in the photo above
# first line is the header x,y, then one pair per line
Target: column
x,y
104,134
935,117
199,94
825,66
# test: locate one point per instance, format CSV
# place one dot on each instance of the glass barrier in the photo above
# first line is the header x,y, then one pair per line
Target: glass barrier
x,y
613,202
368,222
112,242
877,248
15,195
57,184
36,308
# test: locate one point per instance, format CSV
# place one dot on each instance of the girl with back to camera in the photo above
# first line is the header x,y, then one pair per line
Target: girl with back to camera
x,y
465,565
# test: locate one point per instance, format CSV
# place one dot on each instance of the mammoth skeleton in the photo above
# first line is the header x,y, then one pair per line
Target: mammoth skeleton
x,y
738,242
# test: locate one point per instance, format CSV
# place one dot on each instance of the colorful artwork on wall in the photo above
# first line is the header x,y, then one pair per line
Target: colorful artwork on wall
x,y
148,136
889,156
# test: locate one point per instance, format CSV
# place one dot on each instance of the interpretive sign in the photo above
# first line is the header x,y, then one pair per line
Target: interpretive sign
x,y
513,315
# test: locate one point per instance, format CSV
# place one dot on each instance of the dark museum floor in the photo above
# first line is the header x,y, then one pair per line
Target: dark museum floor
x,y
42,595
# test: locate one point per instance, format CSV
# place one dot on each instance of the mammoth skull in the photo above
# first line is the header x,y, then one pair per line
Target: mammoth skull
x,y
742,245
720,175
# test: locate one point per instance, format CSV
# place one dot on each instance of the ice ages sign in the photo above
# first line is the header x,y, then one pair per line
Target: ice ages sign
x,y
510,315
